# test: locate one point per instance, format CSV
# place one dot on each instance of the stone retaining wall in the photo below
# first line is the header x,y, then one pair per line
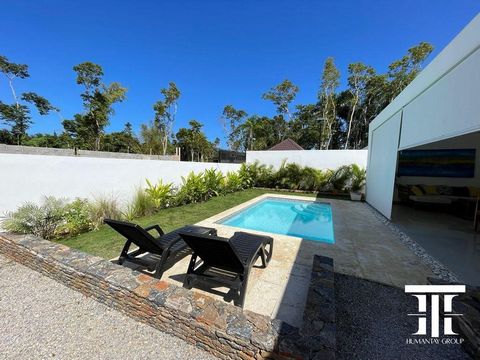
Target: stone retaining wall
x,y
221,329
467,325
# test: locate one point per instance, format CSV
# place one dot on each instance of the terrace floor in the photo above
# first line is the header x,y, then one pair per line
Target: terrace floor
x,y
450,239
364,248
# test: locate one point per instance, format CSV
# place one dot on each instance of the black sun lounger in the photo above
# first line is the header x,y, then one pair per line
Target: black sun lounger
x,y
226,262
168,246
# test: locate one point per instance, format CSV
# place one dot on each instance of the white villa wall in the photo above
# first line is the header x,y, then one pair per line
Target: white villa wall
x,y
320,159
442,102
30,177
380,174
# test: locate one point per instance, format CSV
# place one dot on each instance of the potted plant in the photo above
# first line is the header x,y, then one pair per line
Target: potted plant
x,y
357,181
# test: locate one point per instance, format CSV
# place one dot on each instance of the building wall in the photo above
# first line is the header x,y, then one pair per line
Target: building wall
x,y
439,104
448,108
380,173
320,159
30,177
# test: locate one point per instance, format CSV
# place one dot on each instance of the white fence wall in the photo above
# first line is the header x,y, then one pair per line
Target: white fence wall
x,y
30,177
319,159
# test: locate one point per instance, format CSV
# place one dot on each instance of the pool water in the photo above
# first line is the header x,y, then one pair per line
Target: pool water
x,y
305,219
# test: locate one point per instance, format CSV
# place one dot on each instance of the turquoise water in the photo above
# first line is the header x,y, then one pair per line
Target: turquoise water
x,y
305,219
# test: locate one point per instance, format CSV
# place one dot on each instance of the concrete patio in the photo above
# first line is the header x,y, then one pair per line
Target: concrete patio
x,y
364,248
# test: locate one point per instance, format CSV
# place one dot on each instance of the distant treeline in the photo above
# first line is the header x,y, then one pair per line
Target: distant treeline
x,y
337,120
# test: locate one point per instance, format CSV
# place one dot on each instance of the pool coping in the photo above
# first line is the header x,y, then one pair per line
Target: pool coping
x,y
213,220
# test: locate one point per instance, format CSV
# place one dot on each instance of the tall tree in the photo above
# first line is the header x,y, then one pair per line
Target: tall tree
x,y
17,114
152,139
403,71
306,126
232,118
281,96
165,112
359,75
98,98
122,141
193,143
327,95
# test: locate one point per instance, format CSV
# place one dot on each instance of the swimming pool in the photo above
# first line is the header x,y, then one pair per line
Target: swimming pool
x,y
305,219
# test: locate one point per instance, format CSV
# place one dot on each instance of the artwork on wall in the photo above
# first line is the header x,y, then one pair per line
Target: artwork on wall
x,y
458,163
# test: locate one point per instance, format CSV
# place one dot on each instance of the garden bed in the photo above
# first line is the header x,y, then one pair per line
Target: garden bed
x,y
107,243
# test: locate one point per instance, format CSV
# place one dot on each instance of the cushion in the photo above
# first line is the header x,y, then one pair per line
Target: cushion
x,y
445,190
474,191
430,189
416,190
460,191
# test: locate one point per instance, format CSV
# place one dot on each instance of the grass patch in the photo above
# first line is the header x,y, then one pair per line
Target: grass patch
x,y
107,243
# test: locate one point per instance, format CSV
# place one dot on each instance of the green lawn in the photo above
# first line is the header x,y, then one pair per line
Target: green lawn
x,y
107,243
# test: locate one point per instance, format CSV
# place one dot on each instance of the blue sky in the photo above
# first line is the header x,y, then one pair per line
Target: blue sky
x,y
218,52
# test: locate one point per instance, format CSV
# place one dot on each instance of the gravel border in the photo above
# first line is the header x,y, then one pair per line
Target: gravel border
x,y
435,265
43,319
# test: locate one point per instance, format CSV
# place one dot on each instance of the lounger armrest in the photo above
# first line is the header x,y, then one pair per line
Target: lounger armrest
x,y
155,227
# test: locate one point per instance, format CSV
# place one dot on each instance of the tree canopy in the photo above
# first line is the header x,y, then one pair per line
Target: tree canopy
x,y
338,119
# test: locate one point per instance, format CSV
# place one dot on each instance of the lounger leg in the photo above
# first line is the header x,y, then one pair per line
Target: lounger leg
x,y
270,251
124,253
160,268
263,257
243,290
187,282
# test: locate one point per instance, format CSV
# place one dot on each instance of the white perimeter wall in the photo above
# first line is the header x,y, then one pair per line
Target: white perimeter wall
x,y
319,159
30,177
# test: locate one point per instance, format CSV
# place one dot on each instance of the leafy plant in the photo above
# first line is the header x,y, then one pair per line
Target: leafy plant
x,y
192,190
76,218
233,182
160,194
289,176
358,177
310,179
265,176
213,182
141,205
39,220
104,208
248,174
339,179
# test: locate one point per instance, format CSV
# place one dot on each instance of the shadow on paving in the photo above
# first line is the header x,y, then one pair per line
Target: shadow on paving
x,y
372,323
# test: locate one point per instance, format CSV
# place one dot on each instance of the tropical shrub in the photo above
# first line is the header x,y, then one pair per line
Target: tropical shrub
x,y
233,182
213,182
76,218
192,190
358,177
339,179
248,174
160,194
142,204
39,220
104,208
289,176
311,179
265,176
